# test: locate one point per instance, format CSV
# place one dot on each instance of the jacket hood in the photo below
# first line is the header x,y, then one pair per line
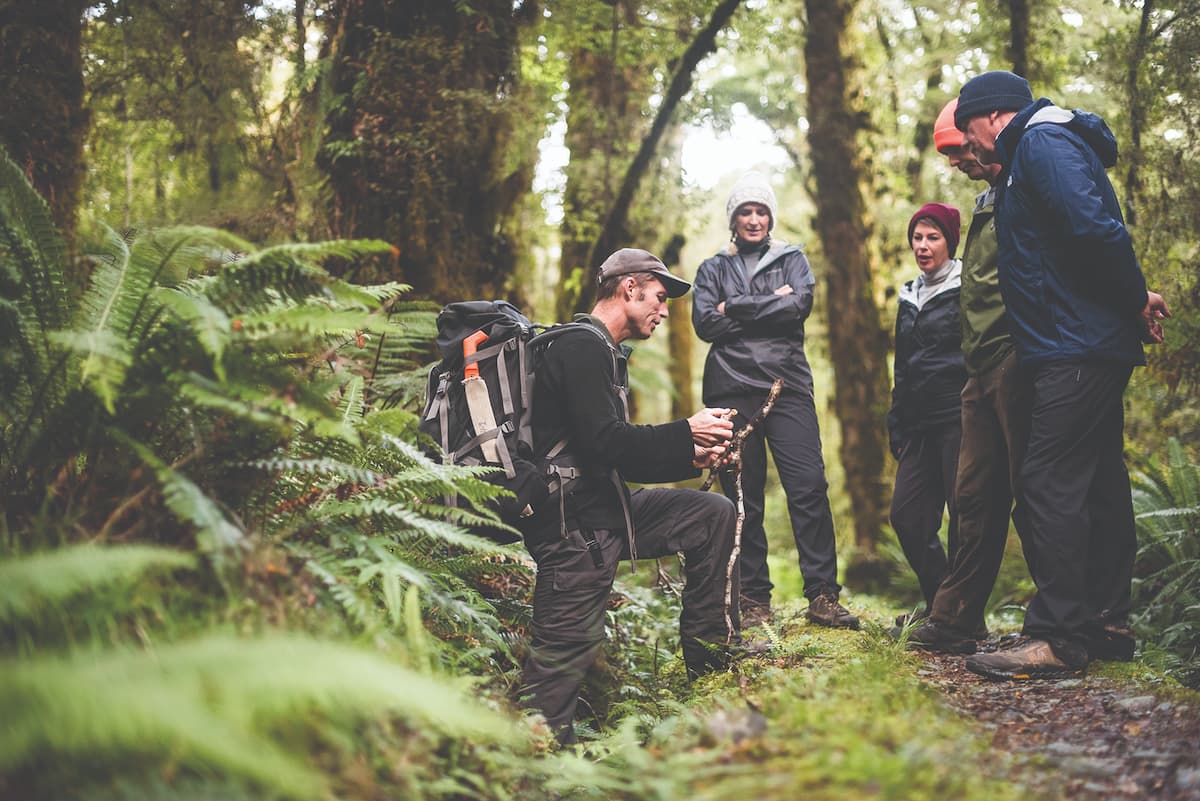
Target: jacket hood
x,y
1089,127
776,251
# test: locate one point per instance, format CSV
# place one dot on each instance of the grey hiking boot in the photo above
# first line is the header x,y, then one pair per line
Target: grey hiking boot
x,y
929,636
1033,660
824,610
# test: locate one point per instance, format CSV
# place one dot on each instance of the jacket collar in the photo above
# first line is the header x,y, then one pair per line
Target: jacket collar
x,y
778,250
1089,127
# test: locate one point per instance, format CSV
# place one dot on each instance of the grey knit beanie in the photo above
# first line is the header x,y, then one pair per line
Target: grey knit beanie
x,y
753,187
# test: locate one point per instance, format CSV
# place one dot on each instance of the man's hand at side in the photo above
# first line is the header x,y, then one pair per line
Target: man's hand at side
x,y
1154,312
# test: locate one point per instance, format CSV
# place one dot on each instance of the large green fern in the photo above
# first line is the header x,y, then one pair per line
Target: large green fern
x,y
1166,501
220,707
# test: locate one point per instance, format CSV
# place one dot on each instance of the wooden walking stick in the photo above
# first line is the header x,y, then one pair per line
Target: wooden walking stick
x,y
733,461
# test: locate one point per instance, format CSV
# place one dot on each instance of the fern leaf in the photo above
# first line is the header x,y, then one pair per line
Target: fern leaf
x,y
210,325
214,532
30,583
216,705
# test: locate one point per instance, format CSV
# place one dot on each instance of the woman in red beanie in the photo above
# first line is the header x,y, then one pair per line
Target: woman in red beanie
x,y
925,423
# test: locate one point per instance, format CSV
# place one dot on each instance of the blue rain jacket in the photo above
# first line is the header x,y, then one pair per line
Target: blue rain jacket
x,y
1068,274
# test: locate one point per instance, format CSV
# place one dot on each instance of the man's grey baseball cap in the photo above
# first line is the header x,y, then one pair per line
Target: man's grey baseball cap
x,y
633,260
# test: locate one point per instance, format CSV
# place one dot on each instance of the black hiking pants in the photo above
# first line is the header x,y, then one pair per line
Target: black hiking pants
x,y
996,412
575,578
791,430
1080,508
924,489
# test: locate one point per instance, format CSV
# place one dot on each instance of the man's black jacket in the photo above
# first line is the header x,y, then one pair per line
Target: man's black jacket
x,y
574,397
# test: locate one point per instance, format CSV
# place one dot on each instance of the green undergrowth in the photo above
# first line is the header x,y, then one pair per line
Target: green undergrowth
x,y
833,714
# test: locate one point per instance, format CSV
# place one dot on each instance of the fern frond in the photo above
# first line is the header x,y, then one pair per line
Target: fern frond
x,y
31,583
32,242
214,532
215,706
330,468
209,324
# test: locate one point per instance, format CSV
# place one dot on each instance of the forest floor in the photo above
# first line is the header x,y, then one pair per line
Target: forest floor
x,y
1107,735
840,714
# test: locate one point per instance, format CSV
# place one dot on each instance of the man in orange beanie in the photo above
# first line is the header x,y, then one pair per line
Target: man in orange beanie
x,y
996,403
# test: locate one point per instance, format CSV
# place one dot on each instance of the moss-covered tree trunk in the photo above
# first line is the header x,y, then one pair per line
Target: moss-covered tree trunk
x,y
419,150
42,119
858,341
604,122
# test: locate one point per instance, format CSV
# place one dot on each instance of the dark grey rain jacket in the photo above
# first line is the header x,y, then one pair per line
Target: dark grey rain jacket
x,y
760,336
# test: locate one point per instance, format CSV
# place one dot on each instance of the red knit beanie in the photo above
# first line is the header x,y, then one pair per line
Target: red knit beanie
x,y
947,220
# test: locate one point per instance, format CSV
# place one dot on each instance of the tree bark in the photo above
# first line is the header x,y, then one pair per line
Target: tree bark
x,y
419,145
604,118
613,231
1137,113
42,119
680,339
1018,37
858,340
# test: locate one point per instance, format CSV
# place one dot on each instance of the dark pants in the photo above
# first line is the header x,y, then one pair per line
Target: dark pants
x,y
574,581
795,439
1080,509
996,409
924,488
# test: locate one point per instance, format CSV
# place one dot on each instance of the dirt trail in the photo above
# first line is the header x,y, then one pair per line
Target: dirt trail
x,y
1094,737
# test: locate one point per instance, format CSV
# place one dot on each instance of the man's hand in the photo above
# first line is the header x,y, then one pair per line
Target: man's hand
x,y
705,458
711,427
786,289
721,307
1154,312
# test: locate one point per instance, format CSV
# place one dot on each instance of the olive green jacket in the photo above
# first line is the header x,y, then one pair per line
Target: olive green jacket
x,y
986,339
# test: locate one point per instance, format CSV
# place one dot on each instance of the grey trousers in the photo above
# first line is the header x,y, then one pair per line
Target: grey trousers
x,y
574,581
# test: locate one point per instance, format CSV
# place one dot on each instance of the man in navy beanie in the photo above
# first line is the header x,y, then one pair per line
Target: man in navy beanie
x,y
1079,311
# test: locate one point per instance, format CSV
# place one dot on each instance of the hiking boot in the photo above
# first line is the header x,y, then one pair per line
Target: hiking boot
x,y
1110,643
700,658
912,617
754,613
929,636
824,610
1033,660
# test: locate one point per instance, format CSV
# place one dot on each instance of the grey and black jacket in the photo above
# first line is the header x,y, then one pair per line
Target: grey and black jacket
x,y
929,368
760,336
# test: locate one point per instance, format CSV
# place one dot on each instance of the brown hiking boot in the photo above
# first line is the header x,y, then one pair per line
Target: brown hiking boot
x,y
754,613
930,636
824,610
1033,660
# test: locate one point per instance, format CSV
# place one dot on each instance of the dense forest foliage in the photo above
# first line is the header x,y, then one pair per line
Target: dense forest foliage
x,y
227,564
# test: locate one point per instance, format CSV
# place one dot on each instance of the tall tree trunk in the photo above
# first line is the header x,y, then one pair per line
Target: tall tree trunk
x,y
42,119
604,116
858,341
613,230
418,147
1018,37
680,339
1137,112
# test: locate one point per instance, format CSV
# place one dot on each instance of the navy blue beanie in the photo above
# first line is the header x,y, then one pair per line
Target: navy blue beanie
x,y
998,90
